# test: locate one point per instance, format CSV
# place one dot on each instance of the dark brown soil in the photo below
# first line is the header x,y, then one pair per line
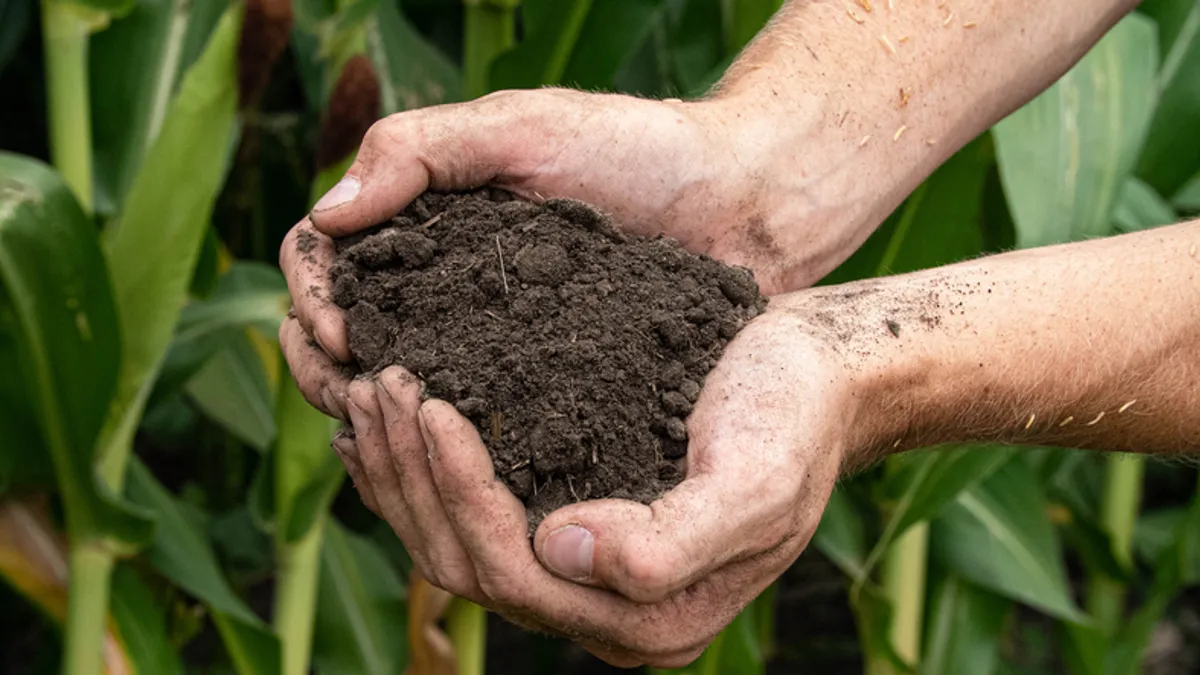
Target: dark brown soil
x,y
577,351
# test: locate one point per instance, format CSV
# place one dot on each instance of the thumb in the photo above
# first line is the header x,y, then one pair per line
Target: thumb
x,y
645,553
448,147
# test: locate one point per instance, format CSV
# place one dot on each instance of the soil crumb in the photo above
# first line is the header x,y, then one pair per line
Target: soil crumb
x,y
576,350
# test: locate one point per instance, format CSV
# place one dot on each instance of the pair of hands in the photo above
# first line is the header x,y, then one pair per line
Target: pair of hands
x,y
633,583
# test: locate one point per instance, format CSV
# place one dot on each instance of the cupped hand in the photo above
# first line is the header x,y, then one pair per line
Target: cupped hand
x,y
633,583
689,170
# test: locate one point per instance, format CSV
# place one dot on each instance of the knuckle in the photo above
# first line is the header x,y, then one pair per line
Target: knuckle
x,y
502,589
647,578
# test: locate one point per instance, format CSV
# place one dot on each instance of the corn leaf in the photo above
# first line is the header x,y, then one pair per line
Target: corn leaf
x,y
1172,152
412,73
153,246
1139,207
250,295
361,615
840,535
964,629
141,624
14,20
134,64
181,552
1065,155
61,327
231,389
1188,197
541,58
996,535
301,457
937,225
610,35
919,485
742,19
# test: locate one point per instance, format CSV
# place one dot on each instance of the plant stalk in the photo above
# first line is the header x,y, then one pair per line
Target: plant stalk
x,y
1119,509
489,30
466,624
296,598
65,32
904,577
90,567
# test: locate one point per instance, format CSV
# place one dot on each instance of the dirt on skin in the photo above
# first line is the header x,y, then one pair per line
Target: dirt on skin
x,y
577,351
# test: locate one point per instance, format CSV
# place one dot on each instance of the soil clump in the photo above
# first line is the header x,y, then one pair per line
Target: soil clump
x,y
576,350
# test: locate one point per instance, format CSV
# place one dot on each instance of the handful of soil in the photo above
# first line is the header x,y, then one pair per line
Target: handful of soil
x,y
577,351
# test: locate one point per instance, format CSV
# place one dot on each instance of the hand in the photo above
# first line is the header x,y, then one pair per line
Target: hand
x,y
633,583
695,171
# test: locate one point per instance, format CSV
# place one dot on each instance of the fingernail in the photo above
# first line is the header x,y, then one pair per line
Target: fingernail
x,y
331,405
358,417
345,190
344,446
430,445
568,552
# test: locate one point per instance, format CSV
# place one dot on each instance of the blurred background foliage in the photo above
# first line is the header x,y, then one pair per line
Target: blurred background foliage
x,y
169,504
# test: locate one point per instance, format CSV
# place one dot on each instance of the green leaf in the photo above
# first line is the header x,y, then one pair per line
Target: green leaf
x,y
997,535
1172,152
412,73
742,19
231,389
1188,197
249,295
62,347
304,474
14,20
109,7
921,484
541,58
361,614
964,628
840,535
1139,207
1065,155
1173,568
734,650
134,64
153,247
182,553
314,499
141,625
611,34
937,225
697,45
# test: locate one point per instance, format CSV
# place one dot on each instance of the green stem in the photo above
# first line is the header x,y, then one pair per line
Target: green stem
x,y
296,598
466,623
489,30
904,572
65,33
1119,509
87,609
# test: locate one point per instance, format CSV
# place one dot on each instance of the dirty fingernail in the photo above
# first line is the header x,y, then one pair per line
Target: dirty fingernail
x,y
345,446
331,405
568,552
346,190
358,417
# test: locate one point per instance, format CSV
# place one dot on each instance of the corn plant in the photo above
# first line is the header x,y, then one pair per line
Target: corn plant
x,y
164,487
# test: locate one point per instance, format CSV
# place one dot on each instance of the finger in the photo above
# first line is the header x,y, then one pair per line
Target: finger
x,y
305,258
347,451
649,553
449,147
492,526
399,395
319,379
371,439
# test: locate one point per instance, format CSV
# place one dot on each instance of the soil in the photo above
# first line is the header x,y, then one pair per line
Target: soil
x,y
576,350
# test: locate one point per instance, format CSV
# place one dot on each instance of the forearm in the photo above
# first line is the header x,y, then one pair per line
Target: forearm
x,y
849,109
1092,345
